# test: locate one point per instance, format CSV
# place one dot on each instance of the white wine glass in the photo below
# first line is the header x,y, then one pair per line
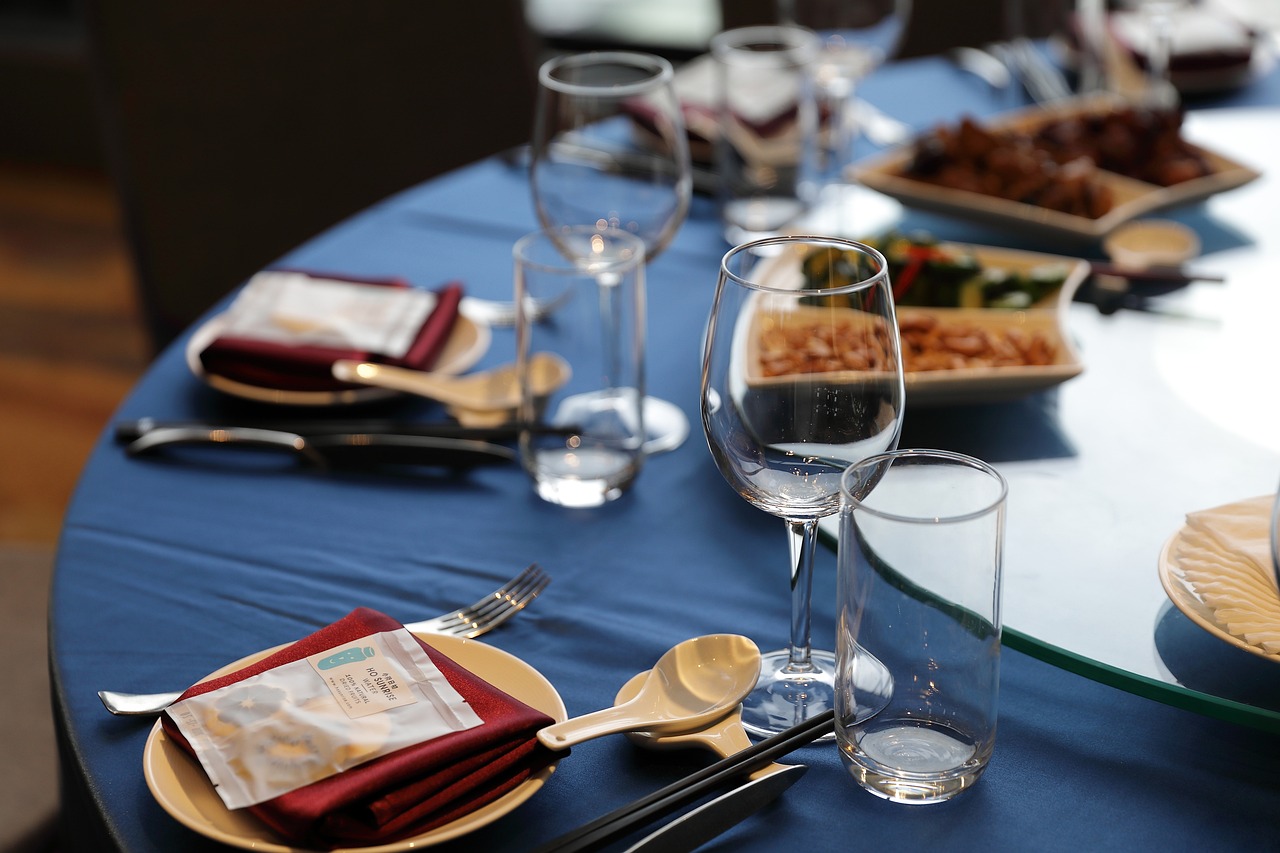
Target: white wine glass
x,y
610,150
801,377
856,37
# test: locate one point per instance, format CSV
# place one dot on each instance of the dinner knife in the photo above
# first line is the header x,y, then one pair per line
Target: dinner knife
x,y
131,430
337,450
698,826
624,820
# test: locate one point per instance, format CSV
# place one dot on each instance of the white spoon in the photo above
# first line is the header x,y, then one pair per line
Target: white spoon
x,y
485,390
724,736
694,683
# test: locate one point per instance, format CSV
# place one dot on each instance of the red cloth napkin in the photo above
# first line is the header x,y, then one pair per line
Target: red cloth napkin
x,y
414,789
282,367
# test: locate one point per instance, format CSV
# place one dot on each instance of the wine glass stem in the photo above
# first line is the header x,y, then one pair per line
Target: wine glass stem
x,y
803,538
1161,26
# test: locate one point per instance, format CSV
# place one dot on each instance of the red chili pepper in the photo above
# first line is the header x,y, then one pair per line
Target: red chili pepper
x,y
917,256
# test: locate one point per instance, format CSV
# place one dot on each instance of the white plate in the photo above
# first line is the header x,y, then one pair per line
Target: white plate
x,y
180,785
994,384
467,342
1185,595
1133,198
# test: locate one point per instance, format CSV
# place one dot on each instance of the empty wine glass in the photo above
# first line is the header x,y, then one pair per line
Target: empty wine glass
x,y
801,377
610,150
857,37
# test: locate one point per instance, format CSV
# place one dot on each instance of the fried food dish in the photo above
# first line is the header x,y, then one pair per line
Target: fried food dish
x,y
1146,145
1058,164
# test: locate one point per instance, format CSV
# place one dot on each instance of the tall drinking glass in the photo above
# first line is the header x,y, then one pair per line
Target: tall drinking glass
x,y
610,150
921,536
767,125
581,440
801,377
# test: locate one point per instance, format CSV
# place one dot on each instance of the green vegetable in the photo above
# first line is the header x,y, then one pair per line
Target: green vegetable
x,y
925,273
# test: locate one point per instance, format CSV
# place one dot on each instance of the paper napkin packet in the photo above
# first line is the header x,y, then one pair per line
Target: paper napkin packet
x,y
360,733
285,329
1238,533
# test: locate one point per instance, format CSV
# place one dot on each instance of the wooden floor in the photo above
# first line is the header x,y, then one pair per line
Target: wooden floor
x,y
71,346
71,341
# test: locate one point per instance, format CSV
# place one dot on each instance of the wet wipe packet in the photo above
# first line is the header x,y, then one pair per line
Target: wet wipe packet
x,y
307,720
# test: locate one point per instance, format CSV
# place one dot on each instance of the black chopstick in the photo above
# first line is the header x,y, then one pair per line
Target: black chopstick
x,y
632,816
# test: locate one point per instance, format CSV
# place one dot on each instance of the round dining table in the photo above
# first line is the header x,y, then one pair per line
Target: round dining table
x,y
171,566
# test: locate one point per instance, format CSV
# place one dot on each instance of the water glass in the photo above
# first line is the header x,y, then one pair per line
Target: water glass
x,y
768,127
921,533
581,441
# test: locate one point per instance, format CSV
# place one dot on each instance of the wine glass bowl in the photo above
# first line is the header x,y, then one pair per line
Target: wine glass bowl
x,y
801,377
857,36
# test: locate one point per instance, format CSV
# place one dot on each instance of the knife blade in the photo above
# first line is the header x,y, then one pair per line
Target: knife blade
x,y
335,451
698,826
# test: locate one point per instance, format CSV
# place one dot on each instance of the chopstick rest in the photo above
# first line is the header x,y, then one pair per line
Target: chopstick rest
x,y
614,825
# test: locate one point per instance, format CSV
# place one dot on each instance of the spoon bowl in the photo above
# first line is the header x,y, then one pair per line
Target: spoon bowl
x,y
494,390
694,683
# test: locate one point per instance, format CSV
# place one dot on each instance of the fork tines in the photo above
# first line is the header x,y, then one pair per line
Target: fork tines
x,y
496,607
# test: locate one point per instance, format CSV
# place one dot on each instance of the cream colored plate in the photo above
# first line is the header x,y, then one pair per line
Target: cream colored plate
x,y
1133,198
467,343
1182,591
993,384
183,790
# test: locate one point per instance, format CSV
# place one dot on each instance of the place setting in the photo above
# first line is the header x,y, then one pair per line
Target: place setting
x,y
316,342
284,750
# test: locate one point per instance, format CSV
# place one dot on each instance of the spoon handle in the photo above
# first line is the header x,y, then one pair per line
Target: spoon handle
x,y
606,721
416,382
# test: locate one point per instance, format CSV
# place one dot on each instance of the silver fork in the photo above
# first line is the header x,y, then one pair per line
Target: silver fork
x,y
475,619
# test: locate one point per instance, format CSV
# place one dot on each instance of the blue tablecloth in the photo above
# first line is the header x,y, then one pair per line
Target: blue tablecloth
x,y
168,570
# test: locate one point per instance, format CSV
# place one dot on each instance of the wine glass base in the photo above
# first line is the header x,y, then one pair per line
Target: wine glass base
x,y
665,426
784,697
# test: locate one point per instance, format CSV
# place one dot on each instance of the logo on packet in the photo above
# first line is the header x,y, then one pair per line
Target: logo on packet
x,y
355,654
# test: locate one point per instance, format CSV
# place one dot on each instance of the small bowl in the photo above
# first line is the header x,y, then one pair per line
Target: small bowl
x,y
1149,243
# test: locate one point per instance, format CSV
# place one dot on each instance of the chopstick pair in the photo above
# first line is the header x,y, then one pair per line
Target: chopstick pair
x,y
616,824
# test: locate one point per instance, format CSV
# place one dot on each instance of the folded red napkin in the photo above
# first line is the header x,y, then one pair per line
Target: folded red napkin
x,y
414,789
293,367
